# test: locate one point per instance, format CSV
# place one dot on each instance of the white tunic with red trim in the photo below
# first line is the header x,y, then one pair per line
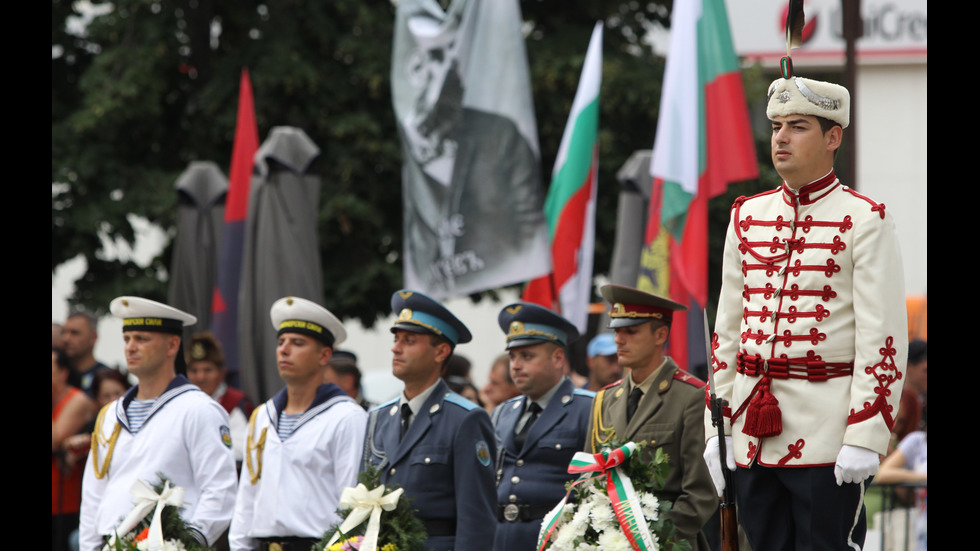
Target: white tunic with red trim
x,y
811,335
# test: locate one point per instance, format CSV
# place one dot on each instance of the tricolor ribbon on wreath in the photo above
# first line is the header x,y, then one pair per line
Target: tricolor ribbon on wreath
x,y
148,499
625,502
365,504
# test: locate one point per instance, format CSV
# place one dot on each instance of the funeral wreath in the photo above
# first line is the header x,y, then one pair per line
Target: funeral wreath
x,y
617,508
155,521
375,517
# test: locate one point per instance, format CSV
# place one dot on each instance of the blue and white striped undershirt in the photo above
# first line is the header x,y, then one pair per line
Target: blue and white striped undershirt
x,y
137,412
287,424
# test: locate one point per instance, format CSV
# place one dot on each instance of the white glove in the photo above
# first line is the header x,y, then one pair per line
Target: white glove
x,y
712,456
855,464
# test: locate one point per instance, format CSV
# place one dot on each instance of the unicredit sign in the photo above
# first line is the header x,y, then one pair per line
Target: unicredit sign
x,y
894,31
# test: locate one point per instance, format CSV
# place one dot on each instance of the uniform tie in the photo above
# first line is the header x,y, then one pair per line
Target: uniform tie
x,y
520,437
406,419
634,402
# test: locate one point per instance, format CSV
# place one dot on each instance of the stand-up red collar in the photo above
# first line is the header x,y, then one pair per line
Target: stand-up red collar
x,y
812,191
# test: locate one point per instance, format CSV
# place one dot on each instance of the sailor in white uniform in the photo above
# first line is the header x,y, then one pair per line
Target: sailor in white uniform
x,y
303,446
165,424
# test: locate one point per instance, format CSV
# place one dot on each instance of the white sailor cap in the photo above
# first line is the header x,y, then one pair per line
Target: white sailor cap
x,y
140,314
804,96
298,315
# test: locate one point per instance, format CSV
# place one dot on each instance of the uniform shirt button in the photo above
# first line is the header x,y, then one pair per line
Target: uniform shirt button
x,y
512,498
557,446
520,462
428,460
391,472
515,480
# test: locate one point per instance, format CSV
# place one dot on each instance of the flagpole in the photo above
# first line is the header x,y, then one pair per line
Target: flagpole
x,y
555,299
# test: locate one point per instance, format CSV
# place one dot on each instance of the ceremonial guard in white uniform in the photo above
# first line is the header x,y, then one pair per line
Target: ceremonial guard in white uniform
x,y
163,425
539,431
810,337
436,445
303,446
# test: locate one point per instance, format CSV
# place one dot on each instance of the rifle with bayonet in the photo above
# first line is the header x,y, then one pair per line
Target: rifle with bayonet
x,y
729,520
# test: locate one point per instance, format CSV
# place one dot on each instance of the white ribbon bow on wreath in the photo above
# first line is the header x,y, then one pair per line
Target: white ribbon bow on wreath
x,y
149,499
365,504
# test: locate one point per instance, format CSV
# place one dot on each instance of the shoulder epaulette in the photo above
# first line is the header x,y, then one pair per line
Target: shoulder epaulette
x,y
610,385
742,198
875,207
689,379
584,392
384,405
460,401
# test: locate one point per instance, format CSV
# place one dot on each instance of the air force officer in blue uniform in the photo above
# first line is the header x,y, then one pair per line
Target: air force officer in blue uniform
x,y
539,431
435,444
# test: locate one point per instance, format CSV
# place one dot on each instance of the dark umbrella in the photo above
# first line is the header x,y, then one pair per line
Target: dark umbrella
x,y
201,191
282,254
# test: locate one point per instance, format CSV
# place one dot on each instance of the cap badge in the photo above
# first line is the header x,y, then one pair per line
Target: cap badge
x,y
514,309
198,351
405,314
405,294
783,96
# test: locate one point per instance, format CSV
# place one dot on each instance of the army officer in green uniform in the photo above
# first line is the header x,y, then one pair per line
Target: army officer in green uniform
x,y
657,402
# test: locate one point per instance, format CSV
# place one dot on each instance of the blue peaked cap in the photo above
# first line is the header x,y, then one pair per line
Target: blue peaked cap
x,y
526,323
420,314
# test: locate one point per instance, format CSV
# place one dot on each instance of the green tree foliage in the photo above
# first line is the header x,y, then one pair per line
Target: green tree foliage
x,y
150,86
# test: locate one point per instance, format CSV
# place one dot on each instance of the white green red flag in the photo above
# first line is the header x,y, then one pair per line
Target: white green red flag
x,y
703,143
570,204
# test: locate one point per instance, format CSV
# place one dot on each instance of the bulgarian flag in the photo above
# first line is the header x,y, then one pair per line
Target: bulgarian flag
x,y
570,204
703,142
224,300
